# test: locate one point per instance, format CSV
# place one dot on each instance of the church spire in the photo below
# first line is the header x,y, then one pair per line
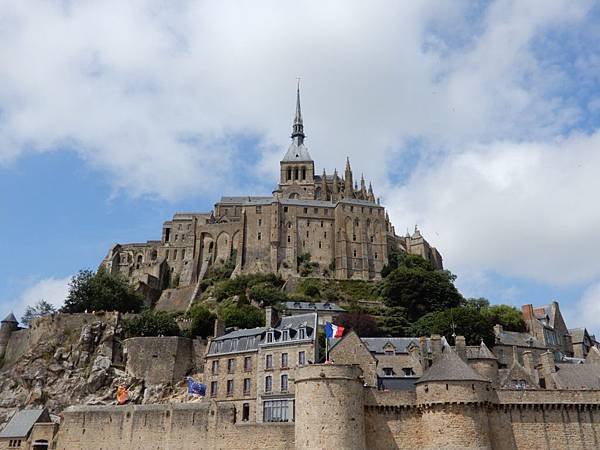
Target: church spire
x,y
298,128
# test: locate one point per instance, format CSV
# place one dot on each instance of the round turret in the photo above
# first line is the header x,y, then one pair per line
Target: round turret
x,y
485,363
7,326
453,399
329,407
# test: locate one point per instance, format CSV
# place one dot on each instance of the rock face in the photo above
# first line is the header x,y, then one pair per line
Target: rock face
x,y
72,359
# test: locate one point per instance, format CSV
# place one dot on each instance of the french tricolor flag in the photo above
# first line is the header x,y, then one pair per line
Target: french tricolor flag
x,y
333,331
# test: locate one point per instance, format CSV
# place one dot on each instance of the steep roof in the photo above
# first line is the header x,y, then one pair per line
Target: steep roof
x,y
519,339
577,376
577,335
297,153
481,352
316,306
11,318
450,367
376,345
21,423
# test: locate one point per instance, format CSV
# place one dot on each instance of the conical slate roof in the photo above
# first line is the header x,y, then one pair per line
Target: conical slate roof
x,y
484,353
450,367
11,318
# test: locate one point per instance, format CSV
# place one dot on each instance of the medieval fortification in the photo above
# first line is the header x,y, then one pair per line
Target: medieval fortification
x,y
265,386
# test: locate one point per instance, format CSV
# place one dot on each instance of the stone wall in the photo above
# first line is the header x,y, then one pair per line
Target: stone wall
x,y
197,426
159,360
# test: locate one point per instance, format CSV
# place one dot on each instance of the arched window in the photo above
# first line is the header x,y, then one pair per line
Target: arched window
x,y
289,174
295,173
304,173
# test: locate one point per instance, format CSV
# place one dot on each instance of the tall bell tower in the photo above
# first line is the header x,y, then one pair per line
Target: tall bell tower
x,y
297,176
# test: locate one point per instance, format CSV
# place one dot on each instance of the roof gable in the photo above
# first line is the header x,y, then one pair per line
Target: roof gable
x,y
450,367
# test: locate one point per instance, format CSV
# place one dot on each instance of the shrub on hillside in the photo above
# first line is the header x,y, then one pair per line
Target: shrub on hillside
x,y
203,321
242,316
101,291
266,295
151,323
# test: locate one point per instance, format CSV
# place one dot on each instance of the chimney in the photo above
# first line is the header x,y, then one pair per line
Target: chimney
x,y
548,369
219,329
461,347
498,329
271,317
436,346
528,362
424,352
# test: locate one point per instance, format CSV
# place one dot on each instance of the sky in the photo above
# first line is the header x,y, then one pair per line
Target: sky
x,y
478,121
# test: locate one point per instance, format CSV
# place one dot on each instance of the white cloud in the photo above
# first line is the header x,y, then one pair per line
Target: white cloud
x,y
586,312
154,91
523,209
53,290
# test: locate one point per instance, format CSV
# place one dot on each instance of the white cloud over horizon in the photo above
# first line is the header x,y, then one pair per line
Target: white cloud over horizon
x,y
53,290
158,95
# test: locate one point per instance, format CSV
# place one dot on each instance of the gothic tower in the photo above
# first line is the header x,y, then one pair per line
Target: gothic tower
x,y
297,176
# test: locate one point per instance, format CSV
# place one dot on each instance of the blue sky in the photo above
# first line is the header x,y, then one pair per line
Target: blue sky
x,y
479,121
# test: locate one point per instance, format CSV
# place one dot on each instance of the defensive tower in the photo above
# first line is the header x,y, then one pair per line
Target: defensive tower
x,y
329,407
7,326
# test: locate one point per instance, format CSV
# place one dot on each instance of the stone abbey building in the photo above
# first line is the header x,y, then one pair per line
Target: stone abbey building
x,y
330,218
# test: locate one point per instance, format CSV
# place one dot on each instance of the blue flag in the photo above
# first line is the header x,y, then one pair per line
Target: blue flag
x,y
196,388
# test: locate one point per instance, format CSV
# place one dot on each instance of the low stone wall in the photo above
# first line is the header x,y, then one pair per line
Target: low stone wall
x,y
188,426
159,360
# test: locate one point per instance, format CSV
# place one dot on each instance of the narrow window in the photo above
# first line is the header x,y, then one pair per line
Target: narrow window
x,y
183,253
230,365
354,237
289,239
247,364
284,335
354,253
321,224
305,210
259,222
284,360
245,412
301,358
229,388
167,234
213,389
289,174
268,383
285,209
215,367
306,233
319,244
259,235
247,382
325,234
269,362
375,255
304,173
301,333
175,255
284,382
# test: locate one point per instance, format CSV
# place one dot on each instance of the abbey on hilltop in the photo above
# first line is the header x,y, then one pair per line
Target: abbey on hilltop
x,y
327,225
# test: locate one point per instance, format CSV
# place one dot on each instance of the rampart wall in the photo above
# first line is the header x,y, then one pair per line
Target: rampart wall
x,y
159,360
197,426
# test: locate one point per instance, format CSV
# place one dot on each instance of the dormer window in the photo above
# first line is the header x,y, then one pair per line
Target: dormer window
x,y
284,335
302,333
269,337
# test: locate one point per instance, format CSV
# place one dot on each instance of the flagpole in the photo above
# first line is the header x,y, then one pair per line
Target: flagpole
x,y
326,349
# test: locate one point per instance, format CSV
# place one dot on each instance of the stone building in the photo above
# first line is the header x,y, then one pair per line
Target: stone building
x,y
28,429
317,224
547,325
254,369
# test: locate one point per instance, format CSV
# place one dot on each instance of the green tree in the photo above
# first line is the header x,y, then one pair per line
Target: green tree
x,y
242,316
393,321
362,324
151,323
420,291
203,321
101,291
40,309
463,321
509,317
266,295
